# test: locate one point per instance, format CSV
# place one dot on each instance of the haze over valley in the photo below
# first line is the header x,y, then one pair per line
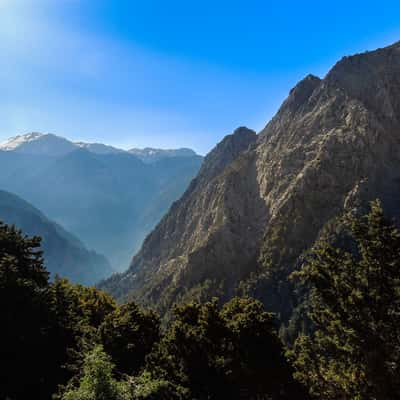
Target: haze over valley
x,y
199,200
109,198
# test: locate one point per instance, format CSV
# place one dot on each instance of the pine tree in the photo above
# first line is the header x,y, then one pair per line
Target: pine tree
x,y
354,304
233,352
128,335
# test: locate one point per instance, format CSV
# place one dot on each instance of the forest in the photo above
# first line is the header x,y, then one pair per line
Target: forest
x,y
66,341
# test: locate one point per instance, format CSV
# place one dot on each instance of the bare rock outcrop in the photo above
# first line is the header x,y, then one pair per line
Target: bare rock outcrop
x,y
333,145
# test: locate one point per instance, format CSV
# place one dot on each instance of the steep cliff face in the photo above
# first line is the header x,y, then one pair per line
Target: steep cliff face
x,y
333,145
173,252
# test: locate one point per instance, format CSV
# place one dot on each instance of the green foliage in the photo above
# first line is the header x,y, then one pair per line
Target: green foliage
x,y
191,352
44,325
24,315
22,262
97,381
77,312
75,341
256,363
229,353
81,305
145,387
128,335
354,304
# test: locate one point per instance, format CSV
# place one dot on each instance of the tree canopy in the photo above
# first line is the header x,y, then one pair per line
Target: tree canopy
x,y
233,352
64,341
354,305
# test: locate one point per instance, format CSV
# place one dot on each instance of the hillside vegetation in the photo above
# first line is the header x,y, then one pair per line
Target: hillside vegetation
x,y
76,343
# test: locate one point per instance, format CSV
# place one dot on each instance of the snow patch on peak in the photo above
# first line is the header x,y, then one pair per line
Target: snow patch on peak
x,y
99,148
48,144
39,144
16,141
150,154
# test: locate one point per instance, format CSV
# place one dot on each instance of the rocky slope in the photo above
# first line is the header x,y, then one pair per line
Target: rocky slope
x,y
333,145
64,254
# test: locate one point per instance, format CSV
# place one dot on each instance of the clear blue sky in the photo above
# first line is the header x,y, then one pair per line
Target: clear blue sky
x,y
170,73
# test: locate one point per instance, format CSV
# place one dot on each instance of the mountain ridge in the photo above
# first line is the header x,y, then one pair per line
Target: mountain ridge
x,y
110,200
150,154
50,144
64,254
329,148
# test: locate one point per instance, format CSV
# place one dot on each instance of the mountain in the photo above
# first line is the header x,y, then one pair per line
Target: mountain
x,y
38,144
333,146
150,155
99,148
52,145
64,254
108,198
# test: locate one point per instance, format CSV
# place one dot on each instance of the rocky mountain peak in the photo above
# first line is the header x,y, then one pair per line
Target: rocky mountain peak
x,y
302,91
296,103
372,78
226,151
333,145
300,94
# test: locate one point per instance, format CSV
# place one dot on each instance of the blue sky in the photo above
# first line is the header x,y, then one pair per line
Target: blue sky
x,y
170,73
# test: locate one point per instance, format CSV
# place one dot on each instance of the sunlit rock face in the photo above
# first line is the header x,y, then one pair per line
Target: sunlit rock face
x,y
334,145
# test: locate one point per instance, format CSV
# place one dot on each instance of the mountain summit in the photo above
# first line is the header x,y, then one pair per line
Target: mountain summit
x,y
38,144
20,140
333,146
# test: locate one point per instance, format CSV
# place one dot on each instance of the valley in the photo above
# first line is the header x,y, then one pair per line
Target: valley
x,y
109,198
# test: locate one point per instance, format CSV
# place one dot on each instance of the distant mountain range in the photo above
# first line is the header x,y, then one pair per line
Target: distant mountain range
x,y
52,145
64,254
109,198
149,155
261,201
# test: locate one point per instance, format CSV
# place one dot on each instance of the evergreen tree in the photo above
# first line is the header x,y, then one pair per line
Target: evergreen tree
x,y
24,300
128,334
45,326
77,311
354,304
256,365
231,353
190,353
